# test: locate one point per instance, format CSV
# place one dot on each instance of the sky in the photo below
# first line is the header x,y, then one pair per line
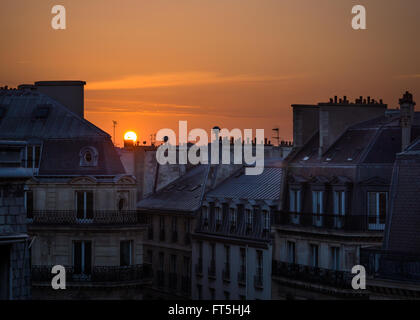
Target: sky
x,y
230,63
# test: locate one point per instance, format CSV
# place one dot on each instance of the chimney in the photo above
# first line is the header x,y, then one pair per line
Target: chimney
x,y
406,118
305,123
334,119
69,93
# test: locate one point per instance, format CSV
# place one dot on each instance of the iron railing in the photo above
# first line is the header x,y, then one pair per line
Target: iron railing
x,y
327,221
97,217
390,265
339,279
97,274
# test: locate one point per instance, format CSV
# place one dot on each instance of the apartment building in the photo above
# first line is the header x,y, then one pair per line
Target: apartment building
x,y
337,194
79,201
232,245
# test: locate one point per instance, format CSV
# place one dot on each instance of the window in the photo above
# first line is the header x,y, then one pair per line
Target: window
x,y
335,258
33,154
294,205
125,253
84,204
249,218
173,263
82,257
232,215
377,209
162,228
227,295
161,261
187,267
205,215
150,256
218,213
314,255
259,263
174,229
242,297
339,202
317,207
226,271
266,220
339,208
242,266
291,254
29,204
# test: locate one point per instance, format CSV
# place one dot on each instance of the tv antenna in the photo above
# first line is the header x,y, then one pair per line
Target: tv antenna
x,y
114,123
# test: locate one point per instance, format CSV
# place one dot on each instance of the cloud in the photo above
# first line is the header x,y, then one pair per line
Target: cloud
x,y
178,79
408,76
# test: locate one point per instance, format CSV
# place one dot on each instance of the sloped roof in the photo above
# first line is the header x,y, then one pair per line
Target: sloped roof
x,y
62,157
18,118
265,186
373,141
184,194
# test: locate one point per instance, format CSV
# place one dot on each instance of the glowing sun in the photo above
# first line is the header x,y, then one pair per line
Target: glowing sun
x,y
130,135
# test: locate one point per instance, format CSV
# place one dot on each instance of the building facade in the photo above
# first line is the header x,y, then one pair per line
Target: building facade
x,y
337,194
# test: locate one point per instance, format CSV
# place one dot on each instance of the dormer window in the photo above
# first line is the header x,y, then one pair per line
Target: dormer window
x,y
233,218
249,216
88,157
218,213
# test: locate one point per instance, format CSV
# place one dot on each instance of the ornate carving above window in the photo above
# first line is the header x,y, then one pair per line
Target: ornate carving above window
x,y
88,157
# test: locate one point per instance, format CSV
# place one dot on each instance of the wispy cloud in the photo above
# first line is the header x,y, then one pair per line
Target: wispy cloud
x,y
178,79
408,76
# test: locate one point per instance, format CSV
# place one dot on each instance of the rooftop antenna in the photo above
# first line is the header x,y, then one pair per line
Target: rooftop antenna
x,y
114,123
276,135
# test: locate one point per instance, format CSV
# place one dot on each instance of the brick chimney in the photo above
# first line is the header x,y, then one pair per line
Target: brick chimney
x,y
406,118
305,123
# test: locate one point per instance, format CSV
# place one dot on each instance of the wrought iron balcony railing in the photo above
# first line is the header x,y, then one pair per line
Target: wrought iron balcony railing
x,y
390,265
97,274
97,217
340,279
327,221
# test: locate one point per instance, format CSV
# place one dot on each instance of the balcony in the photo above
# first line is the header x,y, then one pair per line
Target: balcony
x,y
96,218
258,281
212,270
356,223
390,265
314,275
98,275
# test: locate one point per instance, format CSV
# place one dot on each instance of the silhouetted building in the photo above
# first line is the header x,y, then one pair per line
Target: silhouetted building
x,y
394,268
232,245
80,203
337,193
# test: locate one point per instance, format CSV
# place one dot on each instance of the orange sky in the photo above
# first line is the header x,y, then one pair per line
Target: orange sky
x,y
231,63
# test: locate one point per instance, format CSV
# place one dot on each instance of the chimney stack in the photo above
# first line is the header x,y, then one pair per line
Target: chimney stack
x,y
406,118
69,93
